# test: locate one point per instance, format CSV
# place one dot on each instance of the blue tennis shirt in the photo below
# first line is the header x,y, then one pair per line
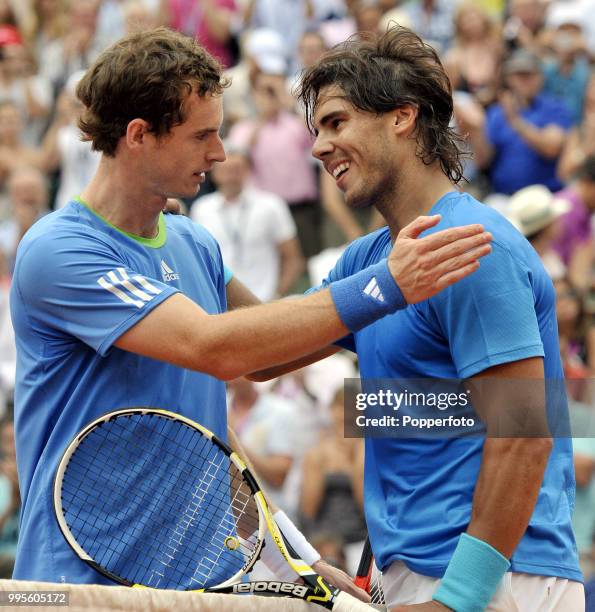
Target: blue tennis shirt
x,y
419,491
79,284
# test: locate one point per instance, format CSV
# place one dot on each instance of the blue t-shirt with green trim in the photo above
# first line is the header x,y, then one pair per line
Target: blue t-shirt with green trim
x,y
79,284
419,491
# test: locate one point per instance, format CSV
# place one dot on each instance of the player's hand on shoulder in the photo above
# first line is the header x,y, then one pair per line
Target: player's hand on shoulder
x,y
340,579
424,266
428,606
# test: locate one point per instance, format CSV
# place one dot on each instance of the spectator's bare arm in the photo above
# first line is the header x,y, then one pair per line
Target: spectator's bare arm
x,y
584,466
471,120
312,484
292,265
218,20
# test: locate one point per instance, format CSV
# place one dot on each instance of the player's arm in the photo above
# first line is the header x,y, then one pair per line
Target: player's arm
x,y
510,399
235,343
512,468
232,344
239,296
290,366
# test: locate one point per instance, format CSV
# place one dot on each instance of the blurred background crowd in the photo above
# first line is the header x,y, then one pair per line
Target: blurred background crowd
x,y
523,76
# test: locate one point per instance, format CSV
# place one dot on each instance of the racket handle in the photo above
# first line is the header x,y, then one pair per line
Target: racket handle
x,y
363,582
347,603
364,569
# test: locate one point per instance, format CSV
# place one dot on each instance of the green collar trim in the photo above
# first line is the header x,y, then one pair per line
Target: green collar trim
x,y
154,243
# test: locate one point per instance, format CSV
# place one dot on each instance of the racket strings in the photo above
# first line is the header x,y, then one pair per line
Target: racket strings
x,y
376,589
156,503
241,517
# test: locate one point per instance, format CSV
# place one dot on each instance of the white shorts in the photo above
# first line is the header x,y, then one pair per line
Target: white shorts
x,y
516,593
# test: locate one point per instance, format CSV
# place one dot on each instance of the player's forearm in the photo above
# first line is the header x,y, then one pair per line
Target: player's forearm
x,y
280,370
511,474
239,342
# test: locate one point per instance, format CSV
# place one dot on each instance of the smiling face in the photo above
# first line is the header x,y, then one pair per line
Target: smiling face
x,y
174,164
357,148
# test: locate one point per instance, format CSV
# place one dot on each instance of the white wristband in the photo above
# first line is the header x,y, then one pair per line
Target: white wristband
x,y
296,538
272,557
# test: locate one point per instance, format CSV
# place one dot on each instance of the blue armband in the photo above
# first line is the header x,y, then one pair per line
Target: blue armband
x,y
472,576
366,296
227,275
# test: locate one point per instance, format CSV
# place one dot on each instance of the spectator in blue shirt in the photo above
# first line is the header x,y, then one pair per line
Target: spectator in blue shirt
x,y
520,138
567,73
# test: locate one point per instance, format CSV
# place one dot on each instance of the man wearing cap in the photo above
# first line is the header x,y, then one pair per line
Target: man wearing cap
x,y
521,136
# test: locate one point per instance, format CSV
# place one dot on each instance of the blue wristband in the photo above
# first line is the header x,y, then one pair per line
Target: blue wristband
x,y
472,576
367,296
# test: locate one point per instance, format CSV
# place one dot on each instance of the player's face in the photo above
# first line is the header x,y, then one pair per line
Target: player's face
x,y
357,148
181,158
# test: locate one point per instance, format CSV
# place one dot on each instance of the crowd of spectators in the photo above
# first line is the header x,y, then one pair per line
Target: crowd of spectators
x,y
523,77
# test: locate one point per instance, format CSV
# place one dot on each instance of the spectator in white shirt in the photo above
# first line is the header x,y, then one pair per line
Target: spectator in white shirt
x,y
255,230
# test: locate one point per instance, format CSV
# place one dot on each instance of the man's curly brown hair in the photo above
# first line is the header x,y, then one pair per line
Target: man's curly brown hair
x,y
146,75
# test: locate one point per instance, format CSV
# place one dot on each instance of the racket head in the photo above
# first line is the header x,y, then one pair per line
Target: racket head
x,y
148,497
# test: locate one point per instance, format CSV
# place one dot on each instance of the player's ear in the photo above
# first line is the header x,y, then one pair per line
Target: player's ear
x,y
404,119
136,132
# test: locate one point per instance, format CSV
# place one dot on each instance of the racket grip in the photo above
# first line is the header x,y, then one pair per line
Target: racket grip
x,y
347,603
363,582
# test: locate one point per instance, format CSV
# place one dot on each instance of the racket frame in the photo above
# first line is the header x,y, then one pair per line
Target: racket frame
x,y
234,458
315,589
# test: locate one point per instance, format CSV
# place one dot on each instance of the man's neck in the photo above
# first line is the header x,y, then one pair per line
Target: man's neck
x,y
415,195
113,195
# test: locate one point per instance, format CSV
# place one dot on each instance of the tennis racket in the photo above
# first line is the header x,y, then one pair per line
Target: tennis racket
x,y
369,577
149,498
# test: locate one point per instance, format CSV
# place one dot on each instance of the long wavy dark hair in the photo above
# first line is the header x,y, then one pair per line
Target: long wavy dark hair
x,y
379,73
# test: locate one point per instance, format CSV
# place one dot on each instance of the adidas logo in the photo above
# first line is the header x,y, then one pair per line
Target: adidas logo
x,y
135,290
373,290
167,273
